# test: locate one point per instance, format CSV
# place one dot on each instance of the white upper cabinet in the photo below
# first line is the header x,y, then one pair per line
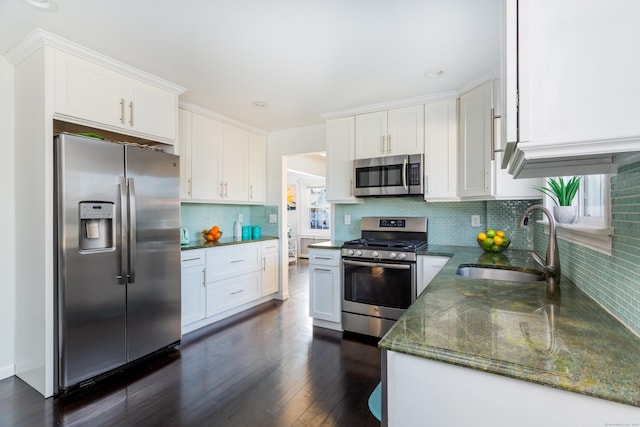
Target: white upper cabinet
x,y
480,175
475,142
441,150
388,133
220,162
90,93
574,67
340,146
235,164
257,168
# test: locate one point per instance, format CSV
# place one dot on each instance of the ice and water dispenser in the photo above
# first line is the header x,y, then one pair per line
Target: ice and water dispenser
x,y
96,226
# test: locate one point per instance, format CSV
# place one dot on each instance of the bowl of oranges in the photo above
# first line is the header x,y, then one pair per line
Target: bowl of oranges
x,y
494,241
212,234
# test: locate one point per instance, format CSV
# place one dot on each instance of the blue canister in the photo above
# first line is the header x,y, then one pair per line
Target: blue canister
x,y
255,232
246,232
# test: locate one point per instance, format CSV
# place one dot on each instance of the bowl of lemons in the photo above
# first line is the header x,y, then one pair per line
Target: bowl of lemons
x,y
493,241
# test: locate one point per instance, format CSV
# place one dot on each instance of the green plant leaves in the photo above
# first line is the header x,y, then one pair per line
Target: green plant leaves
x,y
561,192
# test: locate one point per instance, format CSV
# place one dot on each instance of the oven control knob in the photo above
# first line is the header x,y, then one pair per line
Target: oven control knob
x,y
393,255
375,254
350,252
359,253
402,255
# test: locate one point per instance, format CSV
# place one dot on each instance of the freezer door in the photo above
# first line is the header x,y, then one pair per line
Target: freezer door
x,y
153,292
91,304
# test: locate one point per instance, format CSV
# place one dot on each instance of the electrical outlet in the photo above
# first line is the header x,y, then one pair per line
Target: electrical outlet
x,y
475,220
347,219
273,218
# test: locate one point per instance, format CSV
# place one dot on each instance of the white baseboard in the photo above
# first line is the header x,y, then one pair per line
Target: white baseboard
x,y
7,371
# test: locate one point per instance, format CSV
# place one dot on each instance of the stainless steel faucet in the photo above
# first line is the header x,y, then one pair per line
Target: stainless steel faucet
x,y
551,265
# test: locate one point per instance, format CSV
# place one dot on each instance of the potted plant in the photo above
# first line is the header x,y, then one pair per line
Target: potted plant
x,y
562,193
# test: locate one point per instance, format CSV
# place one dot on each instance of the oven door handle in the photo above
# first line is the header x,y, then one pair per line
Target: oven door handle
x,y
374,264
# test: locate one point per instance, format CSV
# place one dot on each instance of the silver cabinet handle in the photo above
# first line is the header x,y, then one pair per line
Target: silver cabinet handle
x,y
132,231
264,265
328,258
124,244
236,261
189,186
389,144
122,110
321,269
384,139
203,279
493,134
226,190
131,113
237,292
191,259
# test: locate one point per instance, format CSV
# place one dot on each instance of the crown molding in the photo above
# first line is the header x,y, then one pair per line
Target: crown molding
x,y
193,108
38,38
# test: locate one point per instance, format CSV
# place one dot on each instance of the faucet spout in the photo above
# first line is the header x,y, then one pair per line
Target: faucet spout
x,y
551,264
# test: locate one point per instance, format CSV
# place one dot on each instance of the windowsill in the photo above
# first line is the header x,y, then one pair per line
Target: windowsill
x,y
593,237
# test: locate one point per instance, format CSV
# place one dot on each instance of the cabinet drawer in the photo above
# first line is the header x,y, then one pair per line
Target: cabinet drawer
x,y
270,246
192,258
229,261
324,257
229,293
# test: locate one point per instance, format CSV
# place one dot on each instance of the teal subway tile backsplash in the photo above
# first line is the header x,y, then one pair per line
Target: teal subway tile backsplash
x,y
449,222
197,216
611,280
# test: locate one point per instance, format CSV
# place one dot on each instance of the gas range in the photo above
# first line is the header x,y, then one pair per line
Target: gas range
x,y
388,239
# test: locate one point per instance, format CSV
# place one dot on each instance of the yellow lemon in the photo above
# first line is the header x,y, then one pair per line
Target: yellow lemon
x,y
500,233
497,240
482,236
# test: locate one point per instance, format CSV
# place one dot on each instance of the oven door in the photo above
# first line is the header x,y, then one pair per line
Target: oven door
x,y
379,289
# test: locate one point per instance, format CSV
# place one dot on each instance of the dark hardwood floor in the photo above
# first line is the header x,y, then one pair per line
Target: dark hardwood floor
x,y
264,367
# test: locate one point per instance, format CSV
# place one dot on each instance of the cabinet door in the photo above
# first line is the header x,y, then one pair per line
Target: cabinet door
x,y
206,149
324,293
193,295
235,161
441,150
151,110
475,137
340,146
269,273
405,129
371,135
428,267
88,91
184,149
257,168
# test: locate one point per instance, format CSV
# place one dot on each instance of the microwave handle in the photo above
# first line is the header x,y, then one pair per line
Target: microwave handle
x,y
404,173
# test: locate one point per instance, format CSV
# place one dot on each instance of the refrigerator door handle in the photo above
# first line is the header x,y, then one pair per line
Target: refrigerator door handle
x,y
124,254
132,231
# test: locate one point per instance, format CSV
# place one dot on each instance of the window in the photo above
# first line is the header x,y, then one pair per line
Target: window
x,y
592,228
318,209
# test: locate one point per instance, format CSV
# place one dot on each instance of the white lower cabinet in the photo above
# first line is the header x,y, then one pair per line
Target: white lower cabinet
x,y
325,288
193,286
269,280
221,281
427,268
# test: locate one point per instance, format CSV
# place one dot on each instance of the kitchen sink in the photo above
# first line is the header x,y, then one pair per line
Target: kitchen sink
x,y
510,274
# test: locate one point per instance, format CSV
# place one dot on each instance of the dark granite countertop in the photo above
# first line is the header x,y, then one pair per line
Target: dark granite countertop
x,y
222,242
515,330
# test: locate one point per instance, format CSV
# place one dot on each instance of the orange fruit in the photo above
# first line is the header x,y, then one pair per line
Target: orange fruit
x,y
214,230
209,237
217,235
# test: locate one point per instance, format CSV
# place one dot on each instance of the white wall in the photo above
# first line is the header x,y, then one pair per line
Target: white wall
x,y
280,144
7,219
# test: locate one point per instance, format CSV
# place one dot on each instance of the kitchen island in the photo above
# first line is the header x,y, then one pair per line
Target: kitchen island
x,y
438,357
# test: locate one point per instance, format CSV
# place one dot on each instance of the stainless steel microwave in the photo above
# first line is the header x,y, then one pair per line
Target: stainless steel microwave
x,y
389,176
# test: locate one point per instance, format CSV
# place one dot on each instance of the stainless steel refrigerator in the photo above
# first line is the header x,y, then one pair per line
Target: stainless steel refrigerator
x,y
118,256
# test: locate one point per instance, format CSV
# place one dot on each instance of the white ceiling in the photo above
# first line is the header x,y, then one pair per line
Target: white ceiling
x,y
302,57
